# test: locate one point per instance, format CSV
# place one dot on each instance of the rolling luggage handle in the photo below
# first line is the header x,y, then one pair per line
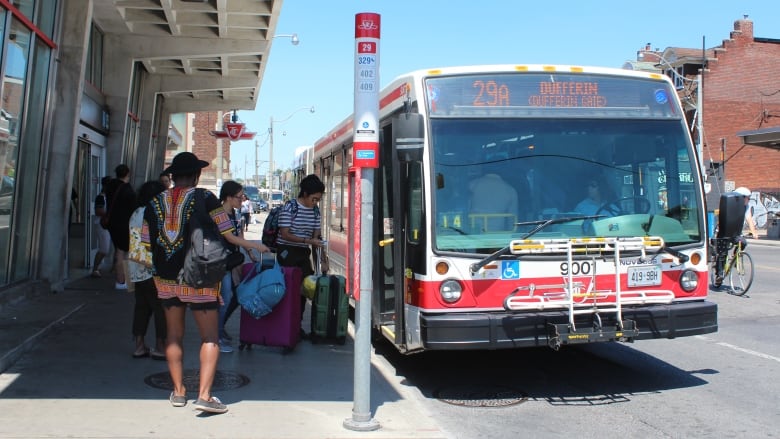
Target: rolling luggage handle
x,y
263,262
317,257
309,287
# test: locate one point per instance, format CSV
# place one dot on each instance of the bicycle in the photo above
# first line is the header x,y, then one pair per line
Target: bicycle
x,y
732,263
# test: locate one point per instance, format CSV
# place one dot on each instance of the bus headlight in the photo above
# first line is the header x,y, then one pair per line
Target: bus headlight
x,y
689,280
450,291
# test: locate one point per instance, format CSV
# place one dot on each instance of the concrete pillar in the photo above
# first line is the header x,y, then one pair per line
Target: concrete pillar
x,y
159,136
117,74
145,155
58,174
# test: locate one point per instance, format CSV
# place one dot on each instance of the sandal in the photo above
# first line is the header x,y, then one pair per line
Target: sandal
x,y
141,354
177,400
213,405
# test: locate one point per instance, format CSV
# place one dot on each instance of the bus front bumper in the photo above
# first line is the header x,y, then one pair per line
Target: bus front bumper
x,y
507,330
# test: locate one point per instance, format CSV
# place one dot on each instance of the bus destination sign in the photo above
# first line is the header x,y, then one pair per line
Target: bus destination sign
x,y
450,95
550,94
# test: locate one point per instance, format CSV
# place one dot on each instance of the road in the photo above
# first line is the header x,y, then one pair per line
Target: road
x,y
718,385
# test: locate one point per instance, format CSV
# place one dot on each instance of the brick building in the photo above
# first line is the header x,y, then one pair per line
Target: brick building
x,y
207,147
740,94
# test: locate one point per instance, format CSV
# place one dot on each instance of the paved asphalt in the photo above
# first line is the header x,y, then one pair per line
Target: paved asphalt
x,y
67,371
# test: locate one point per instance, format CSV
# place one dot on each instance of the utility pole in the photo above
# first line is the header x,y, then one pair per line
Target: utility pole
x,y
271,153
257,164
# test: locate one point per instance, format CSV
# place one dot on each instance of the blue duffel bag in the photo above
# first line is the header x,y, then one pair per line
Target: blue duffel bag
x,y
261,289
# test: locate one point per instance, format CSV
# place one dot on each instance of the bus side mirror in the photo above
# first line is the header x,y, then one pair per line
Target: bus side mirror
x,y
408,136
731,216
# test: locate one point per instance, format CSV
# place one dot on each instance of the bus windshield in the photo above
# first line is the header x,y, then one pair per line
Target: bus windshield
x,y
495,179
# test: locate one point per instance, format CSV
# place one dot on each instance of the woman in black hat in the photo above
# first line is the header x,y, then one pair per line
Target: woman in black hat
x,y
165,226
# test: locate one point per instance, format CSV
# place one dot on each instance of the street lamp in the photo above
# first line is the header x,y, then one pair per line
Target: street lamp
x,y
293,38
271,142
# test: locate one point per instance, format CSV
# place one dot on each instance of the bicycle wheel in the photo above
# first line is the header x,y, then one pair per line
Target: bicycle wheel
x,y
741,274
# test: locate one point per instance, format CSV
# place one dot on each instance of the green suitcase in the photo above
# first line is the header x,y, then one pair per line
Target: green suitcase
x,y
330,310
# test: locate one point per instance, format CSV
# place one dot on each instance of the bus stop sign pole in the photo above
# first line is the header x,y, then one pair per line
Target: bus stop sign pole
x,y
365,150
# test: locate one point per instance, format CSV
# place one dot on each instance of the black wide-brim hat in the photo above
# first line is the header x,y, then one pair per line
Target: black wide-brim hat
x,y
185,163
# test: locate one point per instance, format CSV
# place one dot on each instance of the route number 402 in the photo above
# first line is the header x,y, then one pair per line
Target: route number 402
x,y
577,268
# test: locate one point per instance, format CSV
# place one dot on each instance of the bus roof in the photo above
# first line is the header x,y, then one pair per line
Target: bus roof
x,y
392,96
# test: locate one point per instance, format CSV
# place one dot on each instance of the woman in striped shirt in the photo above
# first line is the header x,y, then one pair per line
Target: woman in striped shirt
x,y
300,230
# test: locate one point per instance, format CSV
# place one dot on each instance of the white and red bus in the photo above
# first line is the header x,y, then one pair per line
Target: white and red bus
x,y
486,230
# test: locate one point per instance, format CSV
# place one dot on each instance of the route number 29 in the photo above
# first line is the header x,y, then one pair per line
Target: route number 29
x,y
577,268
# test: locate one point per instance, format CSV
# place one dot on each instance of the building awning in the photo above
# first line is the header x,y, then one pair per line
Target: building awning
x,y
766,137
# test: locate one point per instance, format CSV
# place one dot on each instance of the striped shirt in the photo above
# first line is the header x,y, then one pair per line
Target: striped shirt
x,y
302,223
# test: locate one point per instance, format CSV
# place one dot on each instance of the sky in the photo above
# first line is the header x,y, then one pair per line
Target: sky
x,y
422,34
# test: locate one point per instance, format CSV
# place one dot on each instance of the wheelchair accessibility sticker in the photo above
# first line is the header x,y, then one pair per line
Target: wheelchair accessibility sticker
x,y
510,269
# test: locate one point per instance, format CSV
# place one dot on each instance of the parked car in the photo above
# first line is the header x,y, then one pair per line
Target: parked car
x,y
258,204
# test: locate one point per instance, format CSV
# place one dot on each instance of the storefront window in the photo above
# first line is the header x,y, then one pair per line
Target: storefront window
x,y
24,6
11,111
30,161
47,13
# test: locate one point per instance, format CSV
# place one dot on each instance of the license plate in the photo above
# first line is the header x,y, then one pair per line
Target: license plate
x,y
644,276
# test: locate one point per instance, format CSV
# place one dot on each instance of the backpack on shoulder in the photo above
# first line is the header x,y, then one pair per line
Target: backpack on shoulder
x,y
209,256
271,226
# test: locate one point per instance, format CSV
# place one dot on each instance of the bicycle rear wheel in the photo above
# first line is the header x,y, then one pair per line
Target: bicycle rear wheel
x,y
741,274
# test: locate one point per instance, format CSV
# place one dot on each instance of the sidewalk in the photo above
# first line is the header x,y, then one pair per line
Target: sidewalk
x,y
68,372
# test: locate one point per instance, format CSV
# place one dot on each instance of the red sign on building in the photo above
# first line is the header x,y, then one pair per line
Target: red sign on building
x,y
233,131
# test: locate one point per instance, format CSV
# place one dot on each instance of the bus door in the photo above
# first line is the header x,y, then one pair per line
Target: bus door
x,y
407,213
383,313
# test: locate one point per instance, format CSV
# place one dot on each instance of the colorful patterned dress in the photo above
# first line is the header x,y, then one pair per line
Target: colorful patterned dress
x,y
166,232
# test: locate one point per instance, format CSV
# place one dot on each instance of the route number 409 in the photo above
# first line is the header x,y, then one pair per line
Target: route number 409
x,y
577,268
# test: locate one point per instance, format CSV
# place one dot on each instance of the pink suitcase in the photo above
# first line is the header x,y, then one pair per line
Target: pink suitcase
x,y
280,328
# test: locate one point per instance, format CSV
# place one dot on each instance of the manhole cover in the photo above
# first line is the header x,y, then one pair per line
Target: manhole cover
x,y
482,396
222,380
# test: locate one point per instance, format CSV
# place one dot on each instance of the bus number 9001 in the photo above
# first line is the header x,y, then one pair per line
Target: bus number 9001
x,y
577,268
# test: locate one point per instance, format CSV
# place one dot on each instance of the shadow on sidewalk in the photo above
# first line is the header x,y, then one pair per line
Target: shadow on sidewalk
x,y
87,355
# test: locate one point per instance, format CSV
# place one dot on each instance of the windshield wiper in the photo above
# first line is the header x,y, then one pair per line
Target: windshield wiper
x,y
676,253
540,225
455,229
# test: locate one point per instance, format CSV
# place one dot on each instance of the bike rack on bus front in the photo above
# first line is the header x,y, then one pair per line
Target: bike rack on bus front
x,y
569,294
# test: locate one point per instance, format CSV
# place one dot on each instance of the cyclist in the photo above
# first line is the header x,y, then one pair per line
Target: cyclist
x,y
722,253
742,190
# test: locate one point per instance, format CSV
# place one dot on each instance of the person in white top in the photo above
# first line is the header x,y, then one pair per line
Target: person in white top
x,y
748,213
599,193
139,272
491,195
246,211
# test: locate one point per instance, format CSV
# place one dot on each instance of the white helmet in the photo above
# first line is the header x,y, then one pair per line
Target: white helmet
x,y
742,190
